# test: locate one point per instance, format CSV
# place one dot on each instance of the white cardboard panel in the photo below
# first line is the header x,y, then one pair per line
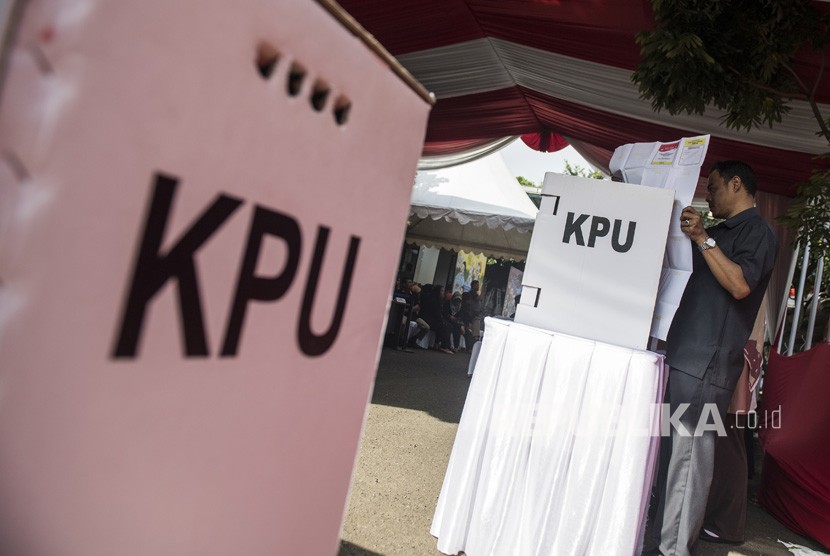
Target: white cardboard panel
x,y
594,260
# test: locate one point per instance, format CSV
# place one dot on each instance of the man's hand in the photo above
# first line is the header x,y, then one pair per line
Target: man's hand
x,y
727,273
691,224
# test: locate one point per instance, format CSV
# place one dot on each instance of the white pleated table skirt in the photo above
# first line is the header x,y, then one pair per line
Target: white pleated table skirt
x,y
555,449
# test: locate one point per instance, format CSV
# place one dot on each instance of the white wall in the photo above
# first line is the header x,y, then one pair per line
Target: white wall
x,y
427,263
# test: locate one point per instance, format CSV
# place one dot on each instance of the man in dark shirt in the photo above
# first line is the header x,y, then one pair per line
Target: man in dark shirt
x,y
733,262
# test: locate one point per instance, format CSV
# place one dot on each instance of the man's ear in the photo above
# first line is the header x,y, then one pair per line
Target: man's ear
x,y
736,183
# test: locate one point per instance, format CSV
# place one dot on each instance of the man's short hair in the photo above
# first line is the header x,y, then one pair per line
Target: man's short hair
x,y
728,169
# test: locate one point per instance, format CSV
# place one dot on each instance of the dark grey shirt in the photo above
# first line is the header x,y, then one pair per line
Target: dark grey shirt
x,y
710,327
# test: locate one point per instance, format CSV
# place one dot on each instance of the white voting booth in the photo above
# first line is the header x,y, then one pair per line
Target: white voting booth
x,y
594,262
556,447
201,208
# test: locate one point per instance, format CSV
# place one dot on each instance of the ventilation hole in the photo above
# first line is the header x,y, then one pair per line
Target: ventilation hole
x,y
319,95
41,61
17,166
295,79
266,59
341,110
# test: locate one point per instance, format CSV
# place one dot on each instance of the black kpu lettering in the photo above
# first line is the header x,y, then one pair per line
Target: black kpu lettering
x,y
600,226
310,343
153,269
250,287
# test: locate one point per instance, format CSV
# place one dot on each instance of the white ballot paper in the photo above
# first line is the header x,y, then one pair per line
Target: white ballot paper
x,y
673,165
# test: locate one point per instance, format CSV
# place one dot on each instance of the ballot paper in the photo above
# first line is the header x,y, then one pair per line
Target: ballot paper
x,y
673,165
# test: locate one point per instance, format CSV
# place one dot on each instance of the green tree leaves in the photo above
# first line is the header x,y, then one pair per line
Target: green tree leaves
x,y
738,56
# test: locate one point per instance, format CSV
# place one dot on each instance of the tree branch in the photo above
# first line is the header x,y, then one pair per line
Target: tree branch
x,y
767,88
824,131
811,97
798,80
819,76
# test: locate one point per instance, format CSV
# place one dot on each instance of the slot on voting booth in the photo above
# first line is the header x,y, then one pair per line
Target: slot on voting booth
x,y
201,208
595,256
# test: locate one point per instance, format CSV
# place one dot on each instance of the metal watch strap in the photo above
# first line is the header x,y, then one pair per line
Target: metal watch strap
x,y
708,244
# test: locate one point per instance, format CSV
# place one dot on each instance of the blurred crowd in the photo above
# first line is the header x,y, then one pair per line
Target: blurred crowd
x,y
447,321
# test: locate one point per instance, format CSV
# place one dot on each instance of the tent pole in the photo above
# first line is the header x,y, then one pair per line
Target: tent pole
x,y
799,297
811,322
782,311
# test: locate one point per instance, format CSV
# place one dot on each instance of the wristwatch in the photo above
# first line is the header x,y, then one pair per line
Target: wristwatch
x,y
708,244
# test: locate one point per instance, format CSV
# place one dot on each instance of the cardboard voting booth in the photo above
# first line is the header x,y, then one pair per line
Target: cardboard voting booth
x,y
558,440
201,208
594,262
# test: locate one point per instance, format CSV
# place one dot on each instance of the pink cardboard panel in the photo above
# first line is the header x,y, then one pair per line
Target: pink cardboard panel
x,y
195,262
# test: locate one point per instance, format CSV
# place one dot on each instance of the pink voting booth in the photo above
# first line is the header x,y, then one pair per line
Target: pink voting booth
x,y
202,205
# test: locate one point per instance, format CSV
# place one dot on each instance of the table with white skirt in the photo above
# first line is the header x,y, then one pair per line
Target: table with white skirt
x,y
555,450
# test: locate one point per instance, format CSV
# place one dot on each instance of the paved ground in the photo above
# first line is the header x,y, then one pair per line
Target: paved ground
x,y
406,444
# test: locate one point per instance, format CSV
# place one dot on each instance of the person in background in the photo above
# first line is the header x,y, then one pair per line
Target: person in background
x,y
452,316
725,520
402,293
466,319
516,301
415,315
432,313
475,310
732,264
403,289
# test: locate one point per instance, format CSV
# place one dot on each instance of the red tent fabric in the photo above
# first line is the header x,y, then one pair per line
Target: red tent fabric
x,y
795,481
513,67
546,141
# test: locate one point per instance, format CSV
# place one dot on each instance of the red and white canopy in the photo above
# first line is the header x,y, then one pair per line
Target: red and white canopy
x,y
512,67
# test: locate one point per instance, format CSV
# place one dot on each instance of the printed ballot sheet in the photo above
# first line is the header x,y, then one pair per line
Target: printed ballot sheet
x,y
674,165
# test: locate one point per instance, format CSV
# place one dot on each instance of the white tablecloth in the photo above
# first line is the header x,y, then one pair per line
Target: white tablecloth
x,y
555,449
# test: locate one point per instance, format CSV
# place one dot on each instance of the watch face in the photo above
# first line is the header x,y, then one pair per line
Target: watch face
x,y
708,244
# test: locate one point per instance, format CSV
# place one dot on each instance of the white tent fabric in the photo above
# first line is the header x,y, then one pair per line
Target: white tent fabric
x,y
477,207
489,64
468,155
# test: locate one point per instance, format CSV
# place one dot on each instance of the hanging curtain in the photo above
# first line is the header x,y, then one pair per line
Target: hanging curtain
x,y
545,141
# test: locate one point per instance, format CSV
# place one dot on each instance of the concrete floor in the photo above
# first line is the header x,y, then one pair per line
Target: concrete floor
x,y
406,444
